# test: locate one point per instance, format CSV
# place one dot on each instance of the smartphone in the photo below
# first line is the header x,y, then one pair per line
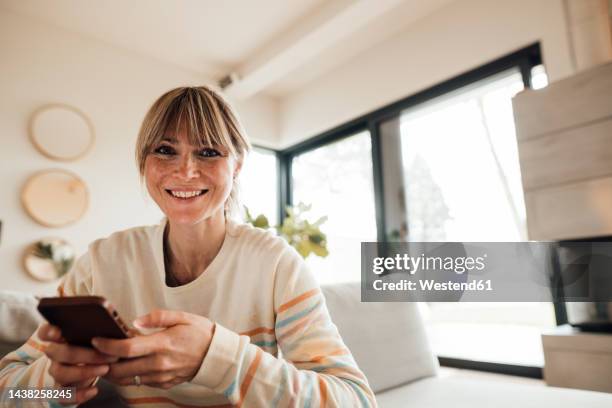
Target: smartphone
x,y
81,318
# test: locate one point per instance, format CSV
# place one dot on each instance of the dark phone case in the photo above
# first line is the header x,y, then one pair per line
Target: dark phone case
x,y
80,318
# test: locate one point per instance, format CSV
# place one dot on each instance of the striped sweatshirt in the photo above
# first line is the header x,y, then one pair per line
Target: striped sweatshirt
x,y
274,342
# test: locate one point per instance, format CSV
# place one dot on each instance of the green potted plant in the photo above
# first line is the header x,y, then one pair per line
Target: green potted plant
x,y
305,236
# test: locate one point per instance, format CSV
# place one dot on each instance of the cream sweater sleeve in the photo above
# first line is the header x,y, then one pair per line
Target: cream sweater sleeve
x,y
317,369
28,366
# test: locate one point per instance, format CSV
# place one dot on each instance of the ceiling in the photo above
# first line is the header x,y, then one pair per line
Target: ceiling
x,y
272,46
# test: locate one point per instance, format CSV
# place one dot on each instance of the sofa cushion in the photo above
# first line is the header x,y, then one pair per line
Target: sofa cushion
x,y
469,393
19,317
388,340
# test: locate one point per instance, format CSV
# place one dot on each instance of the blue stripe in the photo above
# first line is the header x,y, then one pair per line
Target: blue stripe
x,y
359,392
23,356
18,376
232,387
281,388
296,316
308,391
230,390
11,365
264,343
325,367
315,334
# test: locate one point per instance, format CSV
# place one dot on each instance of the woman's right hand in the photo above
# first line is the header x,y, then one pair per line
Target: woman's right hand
x,y
74,366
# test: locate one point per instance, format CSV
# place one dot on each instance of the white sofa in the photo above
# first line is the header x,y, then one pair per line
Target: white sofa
x,y
389,342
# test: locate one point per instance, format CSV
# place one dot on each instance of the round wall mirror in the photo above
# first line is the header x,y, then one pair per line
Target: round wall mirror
x,y
61,132
55,198
48,259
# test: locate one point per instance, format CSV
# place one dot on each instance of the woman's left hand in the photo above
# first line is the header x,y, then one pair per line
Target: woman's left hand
x,y
162,359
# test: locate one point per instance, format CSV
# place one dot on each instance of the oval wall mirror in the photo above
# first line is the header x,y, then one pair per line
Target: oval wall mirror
x,y
55,198
61,132
48,259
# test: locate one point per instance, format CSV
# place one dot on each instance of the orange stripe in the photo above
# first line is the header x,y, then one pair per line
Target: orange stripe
x,y
299,323
257,331
318,359
37,346
348,372
337,352
60,290
154,400
248,377
298,299
321,317
323,392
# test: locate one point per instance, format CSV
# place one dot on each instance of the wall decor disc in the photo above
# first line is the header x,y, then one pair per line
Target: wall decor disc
x,y
48,259
61,132
55,197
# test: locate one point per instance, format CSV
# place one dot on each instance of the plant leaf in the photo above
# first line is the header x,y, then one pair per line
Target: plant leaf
x,y
261,222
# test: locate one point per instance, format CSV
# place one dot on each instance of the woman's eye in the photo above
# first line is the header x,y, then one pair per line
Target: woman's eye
x,y
164,150
209,152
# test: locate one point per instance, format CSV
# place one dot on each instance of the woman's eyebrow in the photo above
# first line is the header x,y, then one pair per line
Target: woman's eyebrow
x,y
175,141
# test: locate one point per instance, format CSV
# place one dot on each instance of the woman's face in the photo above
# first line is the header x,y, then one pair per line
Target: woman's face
x,y
189,183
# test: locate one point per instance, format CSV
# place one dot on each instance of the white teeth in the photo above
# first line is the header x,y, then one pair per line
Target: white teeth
x,y
186,194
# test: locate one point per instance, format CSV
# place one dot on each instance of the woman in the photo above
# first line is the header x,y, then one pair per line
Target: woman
x,y
216,302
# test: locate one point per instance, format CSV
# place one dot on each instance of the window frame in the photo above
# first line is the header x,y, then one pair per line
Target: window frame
x,y
524,59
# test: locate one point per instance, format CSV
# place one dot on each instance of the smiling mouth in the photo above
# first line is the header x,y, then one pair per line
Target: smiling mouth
x,y
186,195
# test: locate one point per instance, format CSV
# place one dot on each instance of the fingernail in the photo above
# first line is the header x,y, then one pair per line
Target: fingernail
x,y
112,359
95,342
101,370
53,332
138,324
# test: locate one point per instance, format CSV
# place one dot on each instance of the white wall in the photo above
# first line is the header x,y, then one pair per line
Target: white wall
x,y
43,64
455,39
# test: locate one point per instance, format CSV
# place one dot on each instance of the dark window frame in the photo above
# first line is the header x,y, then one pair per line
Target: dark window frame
x,y
524,59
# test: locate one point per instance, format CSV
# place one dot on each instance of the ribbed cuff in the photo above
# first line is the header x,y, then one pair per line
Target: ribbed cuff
x,y
222,355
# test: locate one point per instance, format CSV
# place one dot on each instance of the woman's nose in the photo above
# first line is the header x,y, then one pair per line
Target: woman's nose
x,y
188,168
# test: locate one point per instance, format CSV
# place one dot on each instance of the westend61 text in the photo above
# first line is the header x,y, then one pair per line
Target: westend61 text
x,y
430,284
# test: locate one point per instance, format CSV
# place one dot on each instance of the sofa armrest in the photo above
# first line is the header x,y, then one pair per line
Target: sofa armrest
x,y
388,340
19,317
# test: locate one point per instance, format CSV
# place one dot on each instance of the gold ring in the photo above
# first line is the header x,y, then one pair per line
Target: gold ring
x,y
137,380
95,381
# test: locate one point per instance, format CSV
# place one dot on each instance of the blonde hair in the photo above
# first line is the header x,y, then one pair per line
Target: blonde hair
x,y
209,120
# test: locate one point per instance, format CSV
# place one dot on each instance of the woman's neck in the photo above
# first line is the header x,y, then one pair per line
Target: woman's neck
x,y
189,249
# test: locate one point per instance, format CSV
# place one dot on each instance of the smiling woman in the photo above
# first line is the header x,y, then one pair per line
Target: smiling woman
x,y
216,301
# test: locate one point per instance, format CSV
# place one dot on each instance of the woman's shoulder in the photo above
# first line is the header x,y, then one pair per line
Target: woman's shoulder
x,y
126,240
264,250
250,238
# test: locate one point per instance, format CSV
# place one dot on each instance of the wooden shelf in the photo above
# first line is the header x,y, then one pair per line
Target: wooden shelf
x,y
576,359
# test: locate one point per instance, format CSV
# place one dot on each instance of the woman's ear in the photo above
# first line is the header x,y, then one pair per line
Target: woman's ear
x,y
238,167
